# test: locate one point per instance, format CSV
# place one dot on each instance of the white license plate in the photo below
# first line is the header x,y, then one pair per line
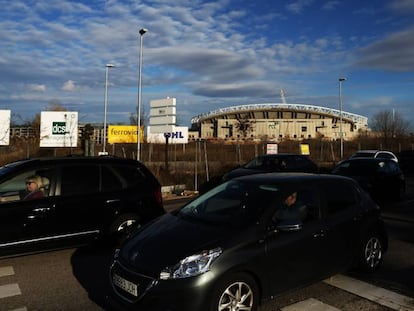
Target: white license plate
x,y
126,285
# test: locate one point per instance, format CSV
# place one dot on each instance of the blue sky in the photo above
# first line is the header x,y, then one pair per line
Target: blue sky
x,y
208,55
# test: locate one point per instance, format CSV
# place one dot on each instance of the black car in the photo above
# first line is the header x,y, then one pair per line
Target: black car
x,y
269,163
81,199
226,250
383,179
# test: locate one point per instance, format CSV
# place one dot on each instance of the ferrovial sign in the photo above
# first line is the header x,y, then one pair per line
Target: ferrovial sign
x,y
4,127
58,129
178,135
124,134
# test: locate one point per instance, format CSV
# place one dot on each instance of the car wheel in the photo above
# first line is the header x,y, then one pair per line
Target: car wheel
x,y
236,292
123,226
371,253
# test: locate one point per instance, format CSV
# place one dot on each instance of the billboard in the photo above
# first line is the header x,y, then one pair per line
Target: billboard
x,y
124,134
178,135
162,115
58,129
4,127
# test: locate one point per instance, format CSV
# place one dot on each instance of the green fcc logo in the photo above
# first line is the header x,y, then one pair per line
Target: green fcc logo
x,y
58,128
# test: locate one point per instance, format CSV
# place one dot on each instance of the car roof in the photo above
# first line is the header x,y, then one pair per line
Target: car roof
x,y
288,177
367,151
69,159
373,151
279,155
362,159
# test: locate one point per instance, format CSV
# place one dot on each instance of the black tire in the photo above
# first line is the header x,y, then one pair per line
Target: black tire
x,y
236,292
371,253
123,226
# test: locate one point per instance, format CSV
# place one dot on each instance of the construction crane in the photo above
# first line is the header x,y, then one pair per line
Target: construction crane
x,y
282,95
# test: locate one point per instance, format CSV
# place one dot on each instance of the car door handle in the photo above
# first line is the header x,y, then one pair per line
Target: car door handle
x,y
320,234
41,209
109,201
38,212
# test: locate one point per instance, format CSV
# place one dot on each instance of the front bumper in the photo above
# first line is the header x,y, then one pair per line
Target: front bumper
x,y
193,293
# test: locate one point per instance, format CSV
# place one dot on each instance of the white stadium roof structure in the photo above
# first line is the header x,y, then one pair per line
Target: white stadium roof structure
x,y
328,112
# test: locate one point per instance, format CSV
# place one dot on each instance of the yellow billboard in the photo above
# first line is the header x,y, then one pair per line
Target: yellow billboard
x,y
304,149
124,134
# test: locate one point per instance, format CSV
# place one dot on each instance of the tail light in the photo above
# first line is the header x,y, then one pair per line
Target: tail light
x,y
158,197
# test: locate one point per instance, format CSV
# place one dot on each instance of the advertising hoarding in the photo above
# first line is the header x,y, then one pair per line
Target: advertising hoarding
x,y
124,134
4,127
178,135
162,115
58,129
272,149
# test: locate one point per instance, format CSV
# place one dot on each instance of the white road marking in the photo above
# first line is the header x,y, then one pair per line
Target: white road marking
x,y
310,304
20,309
6,271
373,293
9,290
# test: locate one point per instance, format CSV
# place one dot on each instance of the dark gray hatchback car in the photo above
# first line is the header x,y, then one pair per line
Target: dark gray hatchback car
x,y
236,246
81,199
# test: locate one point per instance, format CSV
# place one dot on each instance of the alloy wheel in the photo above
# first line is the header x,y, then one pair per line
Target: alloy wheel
x,y
373,252
237,297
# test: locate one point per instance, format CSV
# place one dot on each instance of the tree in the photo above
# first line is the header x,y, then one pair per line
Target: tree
x,y
389,124
244,125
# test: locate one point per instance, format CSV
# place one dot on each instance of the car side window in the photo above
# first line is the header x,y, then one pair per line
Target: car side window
x,y
79,179
110,181
301,162
384,155
13,189
339,196
304,208
131,176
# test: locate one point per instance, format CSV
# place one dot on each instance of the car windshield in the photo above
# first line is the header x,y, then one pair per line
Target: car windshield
x,y
364,155
9,167
264,162
232,203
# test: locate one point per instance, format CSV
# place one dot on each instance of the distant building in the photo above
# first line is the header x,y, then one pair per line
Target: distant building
x,y
278,122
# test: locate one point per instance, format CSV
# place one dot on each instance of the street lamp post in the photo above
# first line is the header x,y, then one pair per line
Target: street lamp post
x,y
142,31
105,106
341,133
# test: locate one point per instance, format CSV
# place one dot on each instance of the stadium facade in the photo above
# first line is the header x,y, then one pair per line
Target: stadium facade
x,y
277,122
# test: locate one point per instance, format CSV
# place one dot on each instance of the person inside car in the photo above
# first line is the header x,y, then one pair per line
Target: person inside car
x,y
291,209
33,184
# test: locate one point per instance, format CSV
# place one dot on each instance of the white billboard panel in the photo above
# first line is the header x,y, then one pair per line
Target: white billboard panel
x,y
162,115
4,127
177,135
164,102
58,129
162,111
163,120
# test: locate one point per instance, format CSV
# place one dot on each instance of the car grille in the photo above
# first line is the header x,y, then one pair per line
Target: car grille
x,y
125,281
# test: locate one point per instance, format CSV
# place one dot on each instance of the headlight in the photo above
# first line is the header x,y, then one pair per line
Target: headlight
x,y
192,265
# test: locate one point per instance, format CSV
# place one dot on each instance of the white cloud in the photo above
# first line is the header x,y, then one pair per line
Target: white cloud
x,y
298,6
37,87
69,86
